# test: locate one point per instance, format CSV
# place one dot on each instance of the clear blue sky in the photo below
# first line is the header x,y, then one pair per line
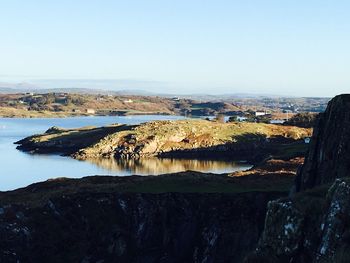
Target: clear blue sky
x,y
291,47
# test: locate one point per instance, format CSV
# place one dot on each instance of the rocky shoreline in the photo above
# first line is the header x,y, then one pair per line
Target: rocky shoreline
x,y
184,138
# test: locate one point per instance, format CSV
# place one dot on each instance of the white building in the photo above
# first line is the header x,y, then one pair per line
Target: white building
x,y
260,113
90,111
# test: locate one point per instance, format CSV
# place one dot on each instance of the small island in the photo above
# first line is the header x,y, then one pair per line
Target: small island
x,y
183,138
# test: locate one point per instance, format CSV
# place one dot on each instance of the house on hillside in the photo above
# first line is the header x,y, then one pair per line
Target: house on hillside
x,y
90,111
260,113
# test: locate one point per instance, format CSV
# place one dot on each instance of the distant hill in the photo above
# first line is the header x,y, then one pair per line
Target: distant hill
x,y
12,88
9,88
16,87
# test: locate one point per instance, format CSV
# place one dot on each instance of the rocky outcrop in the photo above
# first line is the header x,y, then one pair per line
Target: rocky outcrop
x,y
67,141
311,227
185,139
329,154
93,220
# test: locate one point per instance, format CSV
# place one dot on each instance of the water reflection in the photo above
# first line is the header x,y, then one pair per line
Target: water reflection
x,y
19,169
154,166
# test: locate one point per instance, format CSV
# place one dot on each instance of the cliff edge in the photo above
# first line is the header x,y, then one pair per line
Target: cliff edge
x,y
313,225
329,152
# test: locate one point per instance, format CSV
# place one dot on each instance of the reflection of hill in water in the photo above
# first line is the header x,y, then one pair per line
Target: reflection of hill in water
x,y
160,166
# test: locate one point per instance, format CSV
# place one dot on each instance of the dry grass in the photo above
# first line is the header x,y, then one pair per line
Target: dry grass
x,y
274,167
222,131
152,138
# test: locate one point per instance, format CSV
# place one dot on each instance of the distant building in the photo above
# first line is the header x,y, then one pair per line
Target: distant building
x,y
128,101
90,111
260,113
175,98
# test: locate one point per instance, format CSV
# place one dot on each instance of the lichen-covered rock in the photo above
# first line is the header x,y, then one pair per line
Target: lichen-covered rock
x,y
302,230
336,225
283,228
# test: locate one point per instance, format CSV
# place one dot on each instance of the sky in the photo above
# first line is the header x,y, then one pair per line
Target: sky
x,y
290,47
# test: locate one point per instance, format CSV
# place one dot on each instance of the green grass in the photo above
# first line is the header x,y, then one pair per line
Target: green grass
x,y
186,182
202,185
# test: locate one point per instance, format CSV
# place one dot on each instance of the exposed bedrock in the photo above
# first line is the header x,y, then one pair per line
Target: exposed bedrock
x,y
313,224
57,225
329,154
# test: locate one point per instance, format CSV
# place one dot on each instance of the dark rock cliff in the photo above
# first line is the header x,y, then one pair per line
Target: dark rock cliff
x,y
43,223
313,225
329,155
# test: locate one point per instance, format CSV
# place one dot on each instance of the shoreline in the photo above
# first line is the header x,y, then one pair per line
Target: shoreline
x,y
191,139
50,115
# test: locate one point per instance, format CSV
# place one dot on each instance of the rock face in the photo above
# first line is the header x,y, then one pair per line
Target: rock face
x,y
329,155
313,225
110,226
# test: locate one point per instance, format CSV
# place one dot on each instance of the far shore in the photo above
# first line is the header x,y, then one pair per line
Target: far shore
x,y
20,113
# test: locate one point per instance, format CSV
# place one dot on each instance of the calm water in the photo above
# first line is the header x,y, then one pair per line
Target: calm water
x,y
19,169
